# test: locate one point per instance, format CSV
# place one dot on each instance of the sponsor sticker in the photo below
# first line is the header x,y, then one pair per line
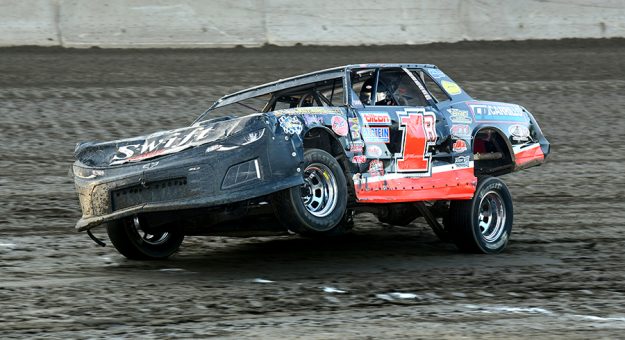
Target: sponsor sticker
x,y
376,118
359,159
460,131
339,126
357,147
313,120
459,116
462,161
354,128
436,73
162,143
451,87
374,151
376,168
519,132
291,125
376,134
459,146
497,112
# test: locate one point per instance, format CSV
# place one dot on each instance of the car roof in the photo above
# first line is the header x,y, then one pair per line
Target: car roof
x,y
303,79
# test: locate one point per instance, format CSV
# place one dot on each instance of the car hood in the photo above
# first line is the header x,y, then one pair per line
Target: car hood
x,y
137,149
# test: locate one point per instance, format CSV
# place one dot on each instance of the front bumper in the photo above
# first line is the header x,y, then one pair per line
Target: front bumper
x,y
190,179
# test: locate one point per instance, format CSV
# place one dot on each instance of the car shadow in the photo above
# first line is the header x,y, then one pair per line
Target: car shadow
x,y
362,251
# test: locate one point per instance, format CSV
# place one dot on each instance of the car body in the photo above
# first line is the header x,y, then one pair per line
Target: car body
x,y
402,133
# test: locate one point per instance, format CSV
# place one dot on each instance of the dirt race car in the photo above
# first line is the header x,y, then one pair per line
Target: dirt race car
x,y
305,154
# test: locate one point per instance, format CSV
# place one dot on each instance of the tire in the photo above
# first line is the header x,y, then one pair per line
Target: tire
x,y
317,208
136,244
482,224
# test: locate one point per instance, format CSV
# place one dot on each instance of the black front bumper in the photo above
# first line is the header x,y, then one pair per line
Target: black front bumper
x,y
189,179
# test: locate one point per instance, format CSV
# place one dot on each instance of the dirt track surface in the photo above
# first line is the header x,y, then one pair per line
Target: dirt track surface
x,y
562,275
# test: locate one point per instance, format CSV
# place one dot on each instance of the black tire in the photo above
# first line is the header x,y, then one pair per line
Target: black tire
x,y
492,205
135,244
295,207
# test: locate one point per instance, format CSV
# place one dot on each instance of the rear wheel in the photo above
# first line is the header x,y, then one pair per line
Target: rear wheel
x,y
318,207
134,239
482,224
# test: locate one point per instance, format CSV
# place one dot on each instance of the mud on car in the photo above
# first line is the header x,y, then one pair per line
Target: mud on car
x,y
307,153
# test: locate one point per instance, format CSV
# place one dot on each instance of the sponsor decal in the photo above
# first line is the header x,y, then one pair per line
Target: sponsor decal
x,y
162,143
459,146
168,142
359,159
462,161
291,125
374,151
451,87
519,132
339,126
376,168
460,116
436,73
354,128
357,147
313,120
497,112
461,131
376,118
376,134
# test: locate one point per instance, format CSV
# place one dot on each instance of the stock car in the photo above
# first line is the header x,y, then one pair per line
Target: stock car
x,y
305,154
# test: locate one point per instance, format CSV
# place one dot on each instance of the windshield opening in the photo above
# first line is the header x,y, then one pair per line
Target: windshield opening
x,y
323,93
237,109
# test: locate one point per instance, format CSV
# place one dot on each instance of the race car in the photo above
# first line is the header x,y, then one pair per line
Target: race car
x,y
305,154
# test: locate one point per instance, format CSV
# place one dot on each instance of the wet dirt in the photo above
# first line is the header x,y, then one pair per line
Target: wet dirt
x,y
562,275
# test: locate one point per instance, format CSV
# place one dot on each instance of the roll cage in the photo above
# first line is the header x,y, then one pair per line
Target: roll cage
x,y
310,85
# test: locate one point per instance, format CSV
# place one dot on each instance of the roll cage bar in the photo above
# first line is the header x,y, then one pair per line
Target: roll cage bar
x,y
306,79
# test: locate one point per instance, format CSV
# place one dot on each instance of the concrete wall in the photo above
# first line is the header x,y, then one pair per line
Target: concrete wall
x,y
224,23
28,22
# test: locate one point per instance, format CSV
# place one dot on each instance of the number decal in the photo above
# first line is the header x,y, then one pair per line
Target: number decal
x,y
419,134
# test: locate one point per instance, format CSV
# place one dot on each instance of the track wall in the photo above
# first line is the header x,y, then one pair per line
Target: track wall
x,y
223,23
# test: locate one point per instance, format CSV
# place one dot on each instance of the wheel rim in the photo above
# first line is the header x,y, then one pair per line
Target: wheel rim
x,y
152,238
319,191
492,216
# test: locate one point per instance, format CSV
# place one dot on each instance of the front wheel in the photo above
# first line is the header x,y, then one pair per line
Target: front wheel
x,y
482,224
133,239
318,207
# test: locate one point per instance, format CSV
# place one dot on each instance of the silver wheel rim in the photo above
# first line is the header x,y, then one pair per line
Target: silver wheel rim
x,y
319,191
492,216
148,238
